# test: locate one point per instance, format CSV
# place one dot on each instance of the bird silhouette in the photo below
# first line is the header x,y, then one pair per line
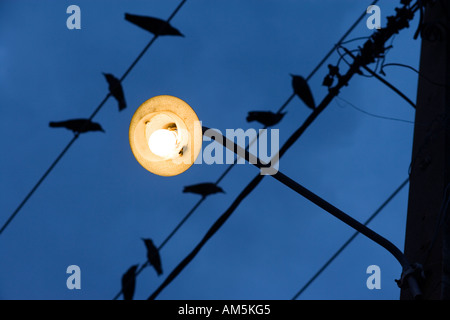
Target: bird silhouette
x,y
77,125
203,189
116,90
302,90
153,256
154,25
266,118
129,283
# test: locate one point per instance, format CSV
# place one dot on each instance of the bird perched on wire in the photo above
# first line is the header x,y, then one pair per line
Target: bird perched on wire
x,y
203,189
266,118
129,283
154,25
302,90
116,90
77,125
153,255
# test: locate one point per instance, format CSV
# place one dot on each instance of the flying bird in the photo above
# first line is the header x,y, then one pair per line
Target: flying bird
x,y
154,25
266,118
153,256
77,125
129,283
116,90
302,90
203,189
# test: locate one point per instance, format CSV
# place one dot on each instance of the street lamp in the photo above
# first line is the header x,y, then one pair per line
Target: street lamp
x,y
165,135
165,130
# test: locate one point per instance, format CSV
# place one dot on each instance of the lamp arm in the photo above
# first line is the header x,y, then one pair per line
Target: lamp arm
x,y
408,269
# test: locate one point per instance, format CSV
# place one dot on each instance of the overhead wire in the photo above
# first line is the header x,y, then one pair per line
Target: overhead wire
x,y
346,244
416,71
384,81
371,114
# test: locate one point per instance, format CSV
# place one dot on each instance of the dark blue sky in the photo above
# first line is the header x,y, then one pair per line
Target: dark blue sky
x,y
236,57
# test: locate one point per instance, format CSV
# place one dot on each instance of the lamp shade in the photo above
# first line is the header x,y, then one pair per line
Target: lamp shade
x,y
165,135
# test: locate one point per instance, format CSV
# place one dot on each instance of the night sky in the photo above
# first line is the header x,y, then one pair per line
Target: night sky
x,y
236,56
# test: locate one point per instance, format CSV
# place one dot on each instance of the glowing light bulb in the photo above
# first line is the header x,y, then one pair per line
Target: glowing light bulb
x,y
163,143
165,135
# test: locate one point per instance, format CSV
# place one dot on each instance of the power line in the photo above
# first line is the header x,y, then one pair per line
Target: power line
x,y
413,69
387,49
371,114
44,176
280,109
339,251
39,182
178,226
385,82
366,56
340,41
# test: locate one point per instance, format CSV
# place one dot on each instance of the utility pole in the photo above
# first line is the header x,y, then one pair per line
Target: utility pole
x,y
430,162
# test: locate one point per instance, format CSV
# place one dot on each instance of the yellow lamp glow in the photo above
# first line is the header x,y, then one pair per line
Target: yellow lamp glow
x,y
165,135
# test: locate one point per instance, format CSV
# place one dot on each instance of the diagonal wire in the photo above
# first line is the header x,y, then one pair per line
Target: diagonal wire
x,y
385,82
144,265
75,137
341,249
55,162
281,108
371,114
415,70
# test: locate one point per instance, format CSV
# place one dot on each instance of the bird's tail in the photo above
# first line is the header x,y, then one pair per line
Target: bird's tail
x,y
122,105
